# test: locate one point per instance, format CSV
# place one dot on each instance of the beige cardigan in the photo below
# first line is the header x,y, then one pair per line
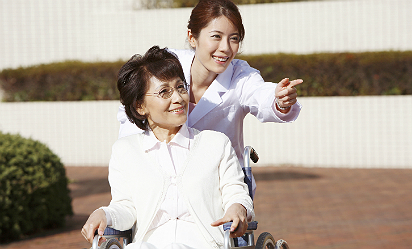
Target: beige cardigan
x,y
210,181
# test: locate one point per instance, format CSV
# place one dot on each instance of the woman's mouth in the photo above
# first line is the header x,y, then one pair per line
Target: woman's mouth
x,y
177,110
220,59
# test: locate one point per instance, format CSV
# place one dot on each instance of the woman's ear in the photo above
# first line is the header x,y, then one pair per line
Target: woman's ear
x,y
191,38
140,109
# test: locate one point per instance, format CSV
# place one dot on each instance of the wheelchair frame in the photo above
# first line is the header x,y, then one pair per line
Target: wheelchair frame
x,y
265,239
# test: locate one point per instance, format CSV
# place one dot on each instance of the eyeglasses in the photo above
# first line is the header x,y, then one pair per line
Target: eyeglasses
x,y
167,91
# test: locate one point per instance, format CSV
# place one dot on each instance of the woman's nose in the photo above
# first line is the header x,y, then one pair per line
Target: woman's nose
x,y
224,45
176,96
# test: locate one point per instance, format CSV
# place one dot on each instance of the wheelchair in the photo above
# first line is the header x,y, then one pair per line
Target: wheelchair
x,y
265,239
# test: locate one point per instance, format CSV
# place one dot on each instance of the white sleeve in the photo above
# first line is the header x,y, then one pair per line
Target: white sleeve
x,y
121,209
108,217
258,97
232,186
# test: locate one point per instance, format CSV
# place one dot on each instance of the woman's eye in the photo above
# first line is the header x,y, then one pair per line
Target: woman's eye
x,y
216,36
235,38
182,88
164,91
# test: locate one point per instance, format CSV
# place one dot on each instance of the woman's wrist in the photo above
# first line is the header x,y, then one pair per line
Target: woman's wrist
x,y
280,108
107,215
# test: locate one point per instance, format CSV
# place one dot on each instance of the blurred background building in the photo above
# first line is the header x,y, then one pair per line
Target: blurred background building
x,y
331,132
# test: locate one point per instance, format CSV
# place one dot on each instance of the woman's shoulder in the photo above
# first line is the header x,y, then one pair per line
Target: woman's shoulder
x,y
241,69
128,142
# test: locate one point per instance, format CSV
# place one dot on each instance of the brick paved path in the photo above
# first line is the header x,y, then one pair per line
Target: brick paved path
x,y
308,207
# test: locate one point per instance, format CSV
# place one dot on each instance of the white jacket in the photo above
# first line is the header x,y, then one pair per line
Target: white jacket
x,y
239,90
210,181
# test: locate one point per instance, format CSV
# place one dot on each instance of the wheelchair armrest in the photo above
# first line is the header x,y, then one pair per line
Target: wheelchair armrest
x,y
116,233
250,225
112,233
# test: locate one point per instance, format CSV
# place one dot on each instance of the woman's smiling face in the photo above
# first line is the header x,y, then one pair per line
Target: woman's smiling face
x,y
216,46
167,114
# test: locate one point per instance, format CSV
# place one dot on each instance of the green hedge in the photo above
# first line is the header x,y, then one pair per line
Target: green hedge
x,y
340,74
33,188
62,81
327,74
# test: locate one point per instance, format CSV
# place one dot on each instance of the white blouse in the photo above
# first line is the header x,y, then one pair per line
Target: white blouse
x,y
170,157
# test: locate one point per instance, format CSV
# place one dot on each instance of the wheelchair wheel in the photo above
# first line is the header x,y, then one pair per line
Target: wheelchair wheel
x,y
111,244
265,241
281,244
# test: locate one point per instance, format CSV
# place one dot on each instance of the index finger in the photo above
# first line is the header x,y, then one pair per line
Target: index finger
x,y
283,83
295,83
235,224
218,222
91,232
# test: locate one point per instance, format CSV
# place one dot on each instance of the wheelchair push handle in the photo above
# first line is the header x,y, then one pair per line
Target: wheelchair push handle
x,y
249,154
254,156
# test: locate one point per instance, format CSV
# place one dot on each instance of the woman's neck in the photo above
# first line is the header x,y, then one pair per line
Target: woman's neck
x,y
200,79
163,134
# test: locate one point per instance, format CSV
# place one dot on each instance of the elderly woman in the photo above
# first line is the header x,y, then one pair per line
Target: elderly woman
x,y
175,183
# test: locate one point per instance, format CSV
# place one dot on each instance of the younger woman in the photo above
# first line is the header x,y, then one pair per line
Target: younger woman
x,y
223,90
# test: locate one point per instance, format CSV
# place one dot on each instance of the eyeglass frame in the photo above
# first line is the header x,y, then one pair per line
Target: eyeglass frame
x,y
171,91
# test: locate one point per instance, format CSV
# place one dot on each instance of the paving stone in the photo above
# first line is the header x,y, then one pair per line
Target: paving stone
x,y
320,208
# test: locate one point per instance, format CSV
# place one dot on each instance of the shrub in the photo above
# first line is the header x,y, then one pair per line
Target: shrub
x,y
33,188
324,74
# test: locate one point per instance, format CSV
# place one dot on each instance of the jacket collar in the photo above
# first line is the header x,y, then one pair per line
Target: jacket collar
x,y
182,139
212,96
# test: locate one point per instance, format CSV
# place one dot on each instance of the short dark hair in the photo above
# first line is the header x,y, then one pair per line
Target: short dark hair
x,y
207,10
134,76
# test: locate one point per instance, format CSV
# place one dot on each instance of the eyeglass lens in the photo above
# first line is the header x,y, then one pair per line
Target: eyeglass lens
x,y
167,92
